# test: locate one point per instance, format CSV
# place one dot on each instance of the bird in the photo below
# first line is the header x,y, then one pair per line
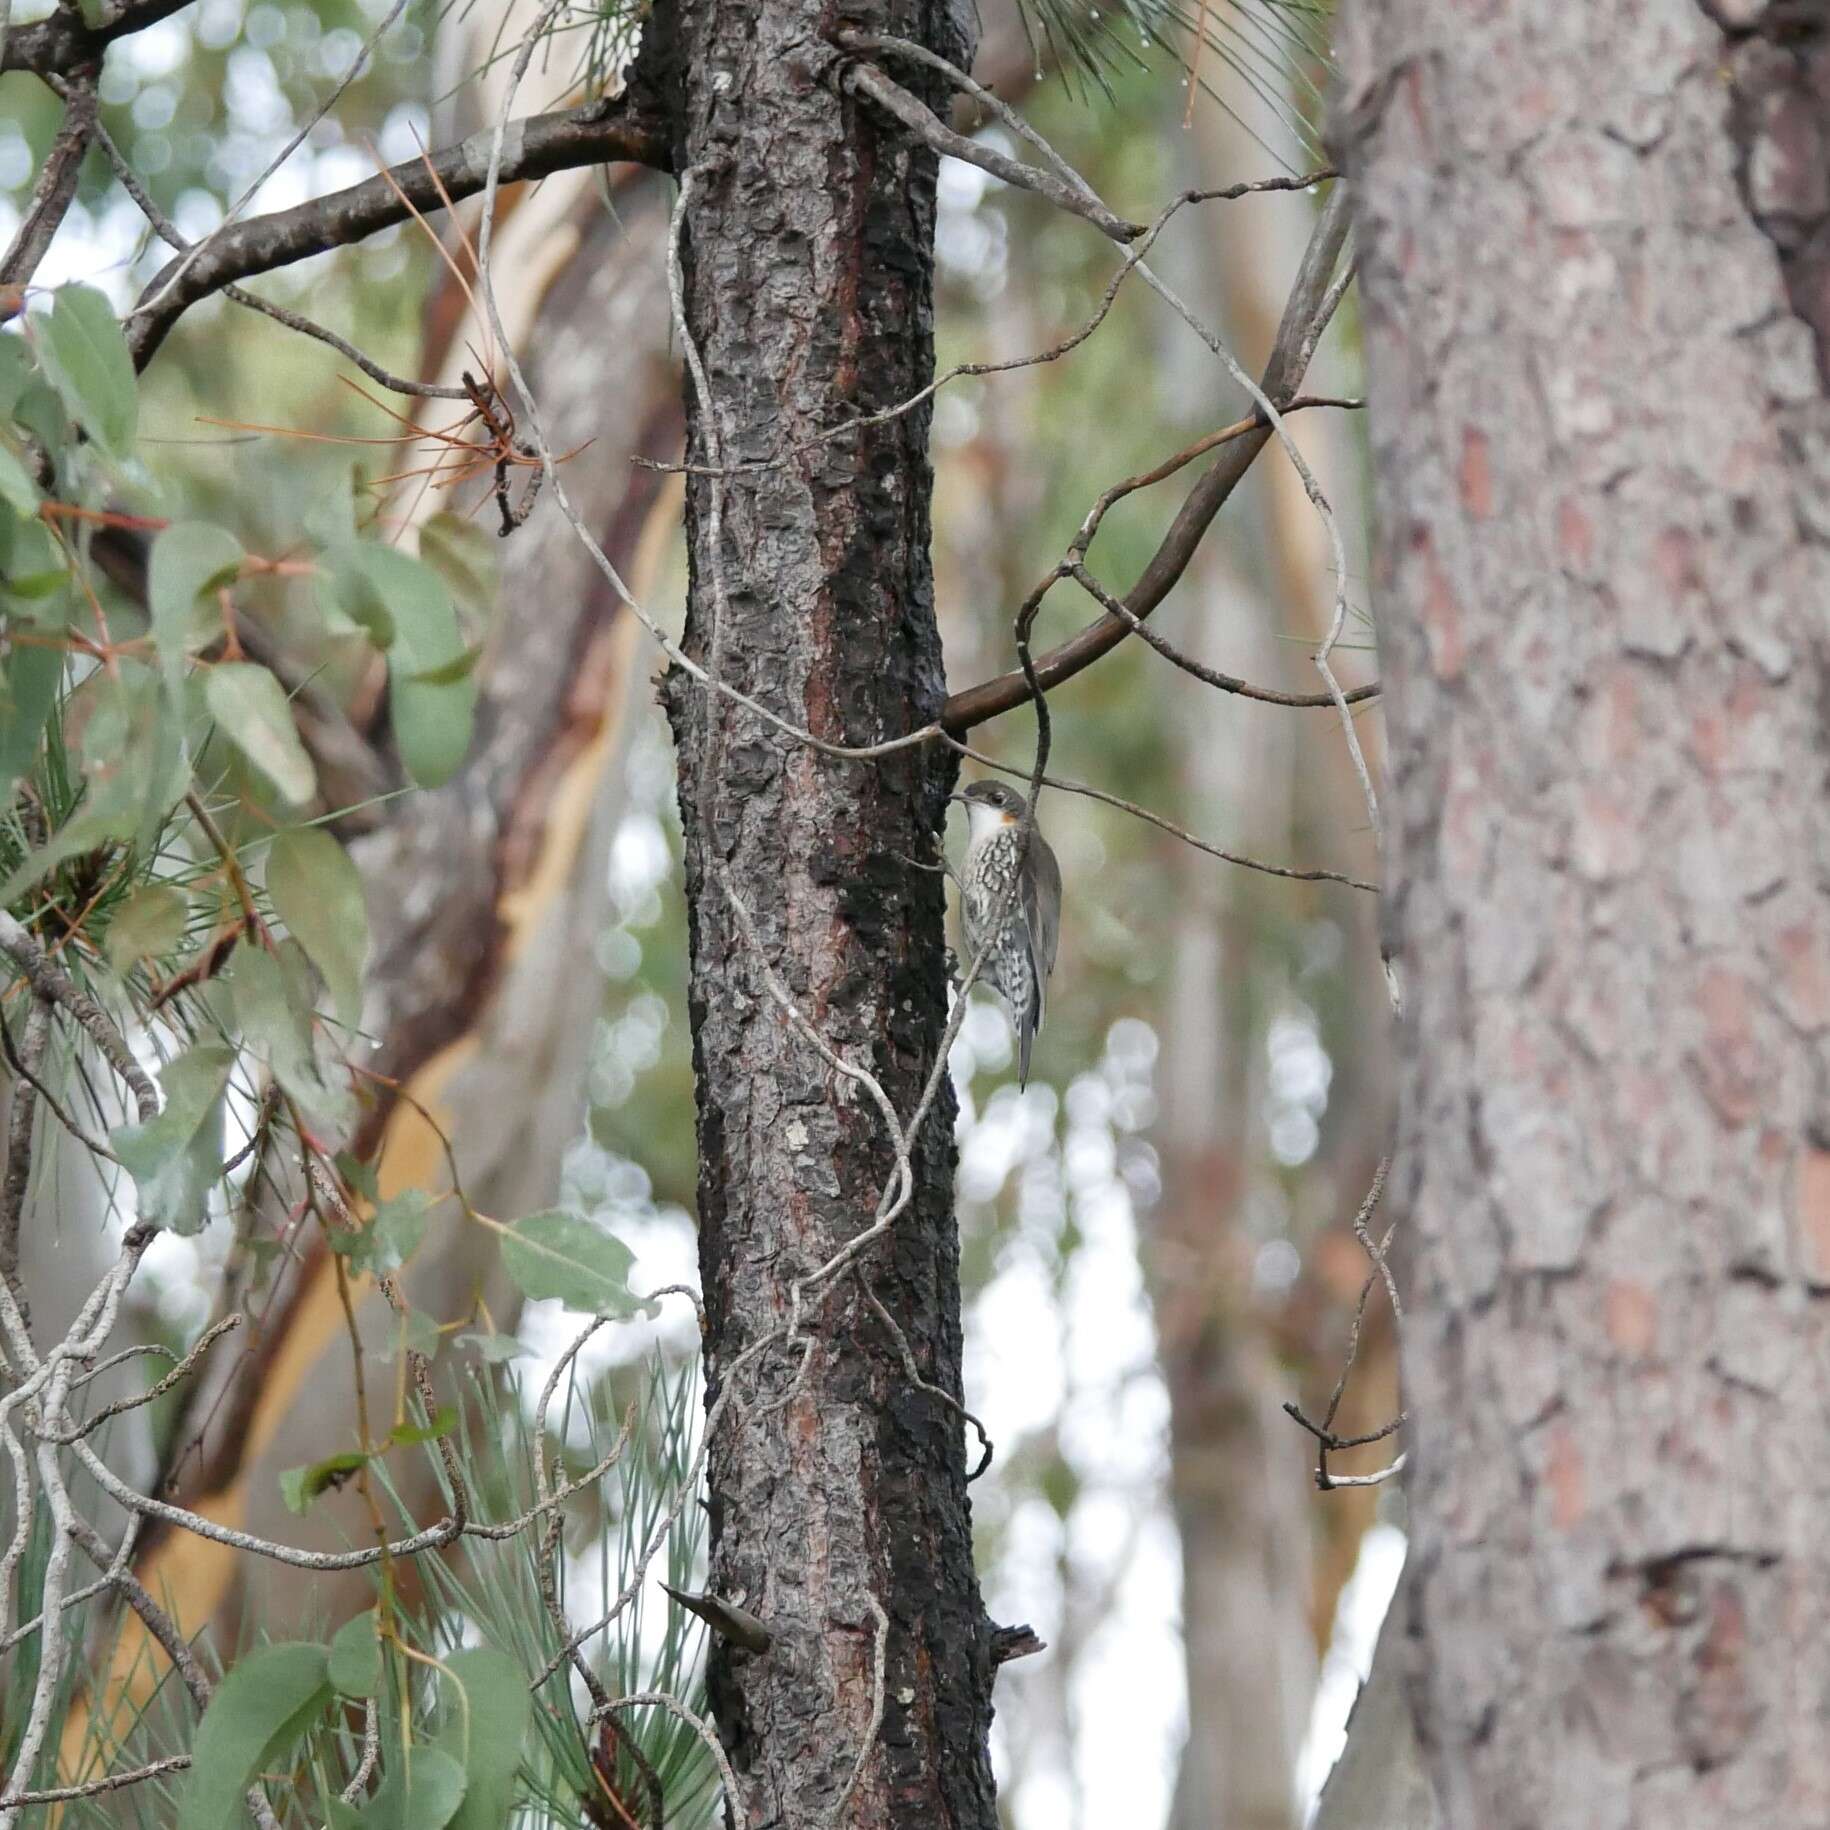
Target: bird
x,y
1021,954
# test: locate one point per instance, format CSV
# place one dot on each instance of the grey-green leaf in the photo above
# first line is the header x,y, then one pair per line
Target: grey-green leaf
x,y
82,351
389,1237
174,1158
259,1710
16,485
317,892
431,718
494,1349
421,1794
299,1487
561,1255
486,1735
414,1332
355,1657
188,559
464,556
274,1012
27,693
149,923
250,705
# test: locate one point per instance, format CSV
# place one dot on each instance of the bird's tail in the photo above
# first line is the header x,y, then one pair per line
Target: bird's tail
x,y
1026,1035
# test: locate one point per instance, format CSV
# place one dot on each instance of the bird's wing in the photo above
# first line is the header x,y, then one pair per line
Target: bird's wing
x,y
1042,914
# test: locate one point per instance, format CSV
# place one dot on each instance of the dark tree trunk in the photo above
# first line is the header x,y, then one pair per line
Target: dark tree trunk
x,y
1594,243
808,292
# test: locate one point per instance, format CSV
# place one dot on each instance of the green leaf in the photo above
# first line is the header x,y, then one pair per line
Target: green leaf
x,y
358,1175
85,356
556,1254
424,1795
415,1332
36,577
487,1735
299,1487
27,693
15,373
151,921
355,1657
389,1237
251,707
464,557
451,672
352,595
410,1435
317,892
431,720
494,1349
16,485
188,559
174,1157
273,1012
258,1712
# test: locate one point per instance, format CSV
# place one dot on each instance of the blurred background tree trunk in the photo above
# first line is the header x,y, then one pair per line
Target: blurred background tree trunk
x,y
1604,644
487,896
1272,1022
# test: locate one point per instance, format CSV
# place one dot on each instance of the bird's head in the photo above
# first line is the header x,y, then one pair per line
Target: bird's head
x,y
990,805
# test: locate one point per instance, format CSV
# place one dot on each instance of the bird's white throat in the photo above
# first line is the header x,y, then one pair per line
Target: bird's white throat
x,y
984,822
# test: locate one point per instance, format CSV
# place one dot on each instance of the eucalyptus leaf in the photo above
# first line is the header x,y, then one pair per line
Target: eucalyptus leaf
x,y
259,1711
355,1657
485,1732
422,1791
352,592
495,1349
431,717
273,1011
464,557
85,357
415,1332
150,922
251,706
451,672
175,1157
564,1256
188,559
15,373
16,485
317,892
299,1487
410,1435
28,690
390,1235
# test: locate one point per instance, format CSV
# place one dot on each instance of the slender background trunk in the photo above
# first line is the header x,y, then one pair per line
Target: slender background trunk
x,y
1603,509
839,1487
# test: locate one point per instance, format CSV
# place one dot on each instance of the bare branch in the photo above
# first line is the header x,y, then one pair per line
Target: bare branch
x,y
1169,826
1302,323
109,1782
56,186
533,147
915,115
64,44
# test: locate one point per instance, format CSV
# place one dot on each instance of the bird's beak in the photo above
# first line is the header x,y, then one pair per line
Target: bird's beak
x,y
960,798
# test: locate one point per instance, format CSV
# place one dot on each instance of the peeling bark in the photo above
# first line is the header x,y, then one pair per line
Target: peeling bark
x,y
808,290
1592,242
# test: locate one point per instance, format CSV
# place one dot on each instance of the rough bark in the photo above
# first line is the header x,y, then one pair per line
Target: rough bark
x,y
1599,346
808,291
